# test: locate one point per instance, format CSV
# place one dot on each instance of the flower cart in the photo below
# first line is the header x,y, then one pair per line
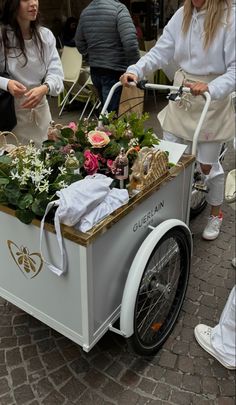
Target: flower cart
x,y
133,266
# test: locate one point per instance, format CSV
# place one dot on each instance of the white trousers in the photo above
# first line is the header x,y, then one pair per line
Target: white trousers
x,y
208,153
223,337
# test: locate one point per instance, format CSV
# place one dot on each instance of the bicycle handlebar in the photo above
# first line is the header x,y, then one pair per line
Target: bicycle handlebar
x,y
143,84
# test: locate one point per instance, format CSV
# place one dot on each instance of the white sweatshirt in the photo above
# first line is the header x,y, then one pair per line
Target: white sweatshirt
x,y
188,52
35,71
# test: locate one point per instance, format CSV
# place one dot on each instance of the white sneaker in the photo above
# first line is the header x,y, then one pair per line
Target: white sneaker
x,y
203,337
234,262
212,229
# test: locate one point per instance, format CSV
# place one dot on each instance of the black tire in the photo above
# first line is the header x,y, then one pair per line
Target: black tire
x,y
161,292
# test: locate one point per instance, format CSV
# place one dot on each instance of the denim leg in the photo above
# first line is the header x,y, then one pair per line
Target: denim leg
x,y
96,79
107,83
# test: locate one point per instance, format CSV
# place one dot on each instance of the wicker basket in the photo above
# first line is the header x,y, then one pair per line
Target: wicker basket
x,y
4,145
150,165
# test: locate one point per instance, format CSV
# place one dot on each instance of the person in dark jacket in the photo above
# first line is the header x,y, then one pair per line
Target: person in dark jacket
x,y
107,37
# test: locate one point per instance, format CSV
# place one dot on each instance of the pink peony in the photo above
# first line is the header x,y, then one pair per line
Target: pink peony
x,y
72,125
91,162
98,139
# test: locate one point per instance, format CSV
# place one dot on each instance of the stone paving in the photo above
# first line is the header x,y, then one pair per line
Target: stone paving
x,y
38,366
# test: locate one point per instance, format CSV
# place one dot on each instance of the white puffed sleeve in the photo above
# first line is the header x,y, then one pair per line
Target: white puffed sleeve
x,y
54,71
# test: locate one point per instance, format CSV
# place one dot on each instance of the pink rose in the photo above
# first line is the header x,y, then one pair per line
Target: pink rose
x,y
91,162
98,139
72,125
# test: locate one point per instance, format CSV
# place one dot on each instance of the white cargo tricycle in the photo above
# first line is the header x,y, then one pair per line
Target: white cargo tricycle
x,y
132,267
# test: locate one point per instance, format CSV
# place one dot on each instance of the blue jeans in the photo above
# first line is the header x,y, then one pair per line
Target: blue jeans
x,y
103,80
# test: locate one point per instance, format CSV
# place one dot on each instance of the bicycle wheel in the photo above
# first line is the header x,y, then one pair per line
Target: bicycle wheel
x,y
161,292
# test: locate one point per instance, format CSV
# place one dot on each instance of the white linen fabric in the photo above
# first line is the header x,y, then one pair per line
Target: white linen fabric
x,y
189,54
32,124
223,337
181,117
113,200
81,197
75,202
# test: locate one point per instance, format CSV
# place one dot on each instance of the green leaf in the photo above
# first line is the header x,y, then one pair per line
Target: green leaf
x,y
12,193
5,160
80,157
67,132
39,206
25,201
4,181
25,216
111,150
3,198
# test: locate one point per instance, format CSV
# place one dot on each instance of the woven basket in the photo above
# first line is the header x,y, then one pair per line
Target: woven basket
x,y
4,145
150,165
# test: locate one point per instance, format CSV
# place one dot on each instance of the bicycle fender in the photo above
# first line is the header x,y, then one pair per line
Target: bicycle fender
x,y
137,268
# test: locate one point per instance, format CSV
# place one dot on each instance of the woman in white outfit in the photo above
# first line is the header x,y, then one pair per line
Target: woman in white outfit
x,y
200,38
220,341
34,66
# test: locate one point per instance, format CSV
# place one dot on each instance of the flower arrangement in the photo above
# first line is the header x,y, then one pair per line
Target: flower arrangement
x,y
97,146
30,177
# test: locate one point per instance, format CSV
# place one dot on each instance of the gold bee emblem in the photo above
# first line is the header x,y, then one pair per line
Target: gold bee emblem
x,y
30,264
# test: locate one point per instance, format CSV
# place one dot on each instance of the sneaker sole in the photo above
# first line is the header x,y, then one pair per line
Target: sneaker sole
x,y
209,238
213,354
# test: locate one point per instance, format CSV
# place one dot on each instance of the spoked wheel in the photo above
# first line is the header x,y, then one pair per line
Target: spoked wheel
x,y
198,196
161,292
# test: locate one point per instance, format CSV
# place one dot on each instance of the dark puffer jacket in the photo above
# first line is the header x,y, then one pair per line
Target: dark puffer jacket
x,y
106,34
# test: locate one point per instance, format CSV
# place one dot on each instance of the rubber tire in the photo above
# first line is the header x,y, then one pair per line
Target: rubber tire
x,y
184,255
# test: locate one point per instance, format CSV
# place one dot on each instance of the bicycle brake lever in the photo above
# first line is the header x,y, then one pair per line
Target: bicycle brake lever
x,y
141,84
176,96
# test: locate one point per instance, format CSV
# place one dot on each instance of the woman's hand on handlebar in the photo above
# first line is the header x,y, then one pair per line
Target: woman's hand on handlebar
x,y
127,78
197,88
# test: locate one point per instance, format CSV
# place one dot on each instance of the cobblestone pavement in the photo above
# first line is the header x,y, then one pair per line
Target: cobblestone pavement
x,y
40,366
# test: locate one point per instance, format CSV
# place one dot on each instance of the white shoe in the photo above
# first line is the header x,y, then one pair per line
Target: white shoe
x,y
234,262
203,337
212,229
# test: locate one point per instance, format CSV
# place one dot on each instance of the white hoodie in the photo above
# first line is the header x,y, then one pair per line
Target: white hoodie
x,y
188,52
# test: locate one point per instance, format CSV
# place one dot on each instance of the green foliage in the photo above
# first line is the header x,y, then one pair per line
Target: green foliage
x,y
30,177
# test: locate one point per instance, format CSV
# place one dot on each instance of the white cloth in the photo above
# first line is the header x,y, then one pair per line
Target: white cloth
x,y
81,197
32,124
223,337
74,201
181,117
208,153
187,51
36,70
113,200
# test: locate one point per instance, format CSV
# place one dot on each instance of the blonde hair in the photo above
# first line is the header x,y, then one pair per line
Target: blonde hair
x,y
214,10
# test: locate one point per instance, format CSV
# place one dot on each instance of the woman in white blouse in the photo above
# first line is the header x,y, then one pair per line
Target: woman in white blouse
x,y
200,38
34,66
